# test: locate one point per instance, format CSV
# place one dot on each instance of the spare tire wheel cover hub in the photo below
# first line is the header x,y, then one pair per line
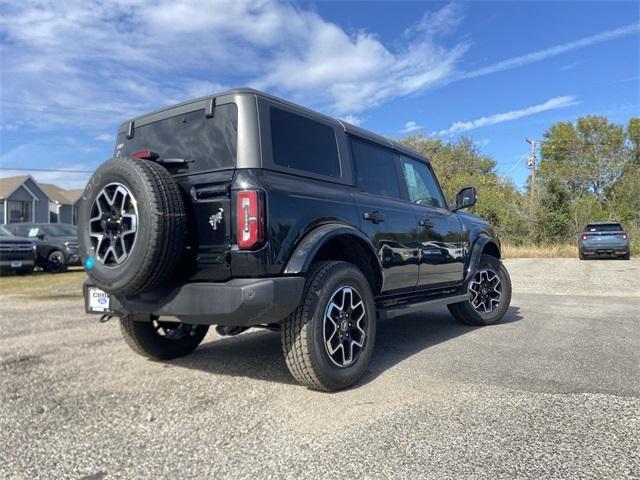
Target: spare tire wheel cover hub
x,y
113,225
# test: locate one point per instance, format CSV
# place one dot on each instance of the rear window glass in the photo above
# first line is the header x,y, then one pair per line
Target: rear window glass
x,y
375,169
206,143
304,144
608,227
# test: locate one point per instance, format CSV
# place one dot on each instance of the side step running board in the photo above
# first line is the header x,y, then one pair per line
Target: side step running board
x,y
408,308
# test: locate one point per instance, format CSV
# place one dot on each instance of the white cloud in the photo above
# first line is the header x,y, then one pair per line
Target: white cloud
x,y
438,22
539,55
410,127
138,55
551,104
571,65
105,137
352,119
90,65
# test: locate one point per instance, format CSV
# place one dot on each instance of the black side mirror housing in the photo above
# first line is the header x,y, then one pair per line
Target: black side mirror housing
x,y
41,236
466,198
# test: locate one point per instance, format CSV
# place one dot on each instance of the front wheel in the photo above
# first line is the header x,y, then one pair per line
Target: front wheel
x,y
161,340
489,294
328,340
56,262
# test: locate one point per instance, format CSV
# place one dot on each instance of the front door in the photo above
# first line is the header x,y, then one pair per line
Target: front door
x,y
441,243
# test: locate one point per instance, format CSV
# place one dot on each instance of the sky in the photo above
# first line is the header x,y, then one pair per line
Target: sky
x,y
73,71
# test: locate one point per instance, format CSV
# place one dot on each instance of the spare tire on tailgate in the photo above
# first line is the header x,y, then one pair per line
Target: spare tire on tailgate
x,y
131,226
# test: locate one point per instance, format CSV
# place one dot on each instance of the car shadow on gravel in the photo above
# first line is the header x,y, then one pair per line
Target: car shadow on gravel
x,y
257,353
401,338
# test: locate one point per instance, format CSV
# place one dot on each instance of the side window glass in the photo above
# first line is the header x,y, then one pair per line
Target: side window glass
x,y
422,186
375,169
304,144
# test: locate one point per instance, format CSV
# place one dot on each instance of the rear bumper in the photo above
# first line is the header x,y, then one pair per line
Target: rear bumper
x,y
237,302
605,251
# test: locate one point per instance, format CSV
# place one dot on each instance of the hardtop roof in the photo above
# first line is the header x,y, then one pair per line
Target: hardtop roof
x,y
348,127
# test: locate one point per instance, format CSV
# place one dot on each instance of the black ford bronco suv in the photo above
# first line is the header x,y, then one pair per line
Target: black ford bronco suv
x,y
243,210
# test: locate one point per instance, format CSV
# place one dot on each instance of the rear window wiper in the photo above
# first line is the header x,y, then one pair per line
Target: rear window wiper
x,y
155,157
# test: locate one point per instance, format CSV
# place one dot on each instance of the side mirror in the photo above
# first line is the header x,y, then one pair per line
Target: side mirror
x,y
41,236
466,198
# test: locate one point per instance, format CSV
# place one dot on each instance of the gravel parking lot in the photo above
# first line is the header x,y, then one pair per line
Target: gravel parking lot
x,y
552,391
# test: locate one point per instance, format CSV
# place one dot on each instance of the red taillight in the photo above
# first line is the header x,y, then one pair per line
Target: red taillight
x,y
145,155
584,237
250,219
624,236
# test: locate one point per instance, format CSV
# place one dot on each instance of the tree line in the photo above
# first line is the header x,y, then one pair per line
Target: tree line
x,y
589,170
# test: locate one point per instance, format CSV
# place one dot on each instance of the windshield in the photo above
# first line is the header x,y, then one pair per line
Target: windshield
x,y
605,227
4,232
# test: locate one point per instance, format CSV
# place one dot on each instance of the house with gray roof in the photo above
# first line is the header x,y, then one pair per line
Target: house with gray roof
x,y
23,199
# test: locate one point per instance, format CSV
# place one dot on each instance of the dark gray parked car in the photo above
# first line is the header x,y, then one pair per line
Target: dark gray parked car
x,y
604,239
57,244
16,254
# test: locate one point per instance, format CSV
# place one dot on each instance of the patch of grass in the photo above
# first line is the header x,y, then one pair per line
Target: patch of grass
x,y
44,285
540,251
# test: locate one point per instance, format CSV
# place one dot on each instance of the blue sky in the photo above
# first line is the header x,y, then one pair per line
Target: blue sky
x,y
496,71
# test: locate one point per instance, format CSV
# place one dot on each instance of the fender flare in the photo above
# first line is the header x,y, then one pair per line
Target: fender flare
x,y
301,258
476,252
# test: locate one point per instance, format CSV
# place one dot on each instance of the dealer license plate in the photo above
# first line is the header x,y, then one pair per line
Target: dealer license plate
x,y
99,300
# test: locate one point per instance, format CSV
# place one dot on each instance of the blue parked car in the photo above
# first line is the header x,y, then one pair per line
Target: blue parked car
x,y
604,239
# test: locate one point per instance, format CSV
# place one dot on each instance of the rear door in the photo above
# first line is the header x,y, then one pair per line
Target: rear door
x,y
441,247
200,150
387,219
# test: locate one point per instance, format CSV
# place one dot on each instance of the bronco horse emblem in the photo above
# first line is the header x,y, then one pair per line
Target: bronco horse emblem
x,y
214,220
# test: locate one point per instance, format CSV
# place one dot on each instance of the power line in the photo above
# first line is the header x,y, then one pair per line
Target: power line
x,y
45,170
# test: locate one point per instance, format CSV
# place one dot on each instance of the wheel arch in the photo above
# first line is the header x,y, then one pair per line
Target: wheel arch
x,y
483,245
337,242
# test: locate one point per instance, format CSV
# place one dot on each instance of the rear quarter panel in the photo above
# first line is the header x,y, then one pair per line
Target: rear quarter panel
x,y
294,206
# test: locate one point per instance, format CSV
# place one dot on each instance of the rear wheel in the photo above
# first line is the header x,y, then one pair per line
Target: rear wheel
x,y
161,340
328,340
581,255
627,256
489,294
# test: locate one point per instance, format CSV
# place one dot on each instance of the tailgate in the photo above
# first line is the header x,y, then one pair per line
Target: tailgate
x,y
209,208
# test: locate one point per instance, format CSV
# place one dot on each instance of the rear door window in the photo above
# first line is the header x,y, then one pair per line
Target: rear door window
x,y
205,143
303,144
375,167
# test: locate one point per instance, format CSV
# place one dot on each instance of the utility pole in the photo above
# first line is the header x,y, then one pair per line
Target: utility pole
x,y
531,163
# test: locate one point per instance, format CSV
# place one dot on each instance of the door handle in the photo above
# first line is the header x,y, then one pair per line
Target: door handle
x,y
375,217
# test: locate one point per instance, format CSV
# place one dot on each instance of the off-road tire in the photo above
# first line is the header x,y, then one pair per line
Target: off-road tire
x,y
56,262
464,311
162,223
627,256
302,331
581,255
142,338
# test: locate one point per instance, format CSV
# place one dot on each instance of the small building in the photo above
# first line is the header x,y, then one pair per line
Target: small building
x,y
23,199
63,207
